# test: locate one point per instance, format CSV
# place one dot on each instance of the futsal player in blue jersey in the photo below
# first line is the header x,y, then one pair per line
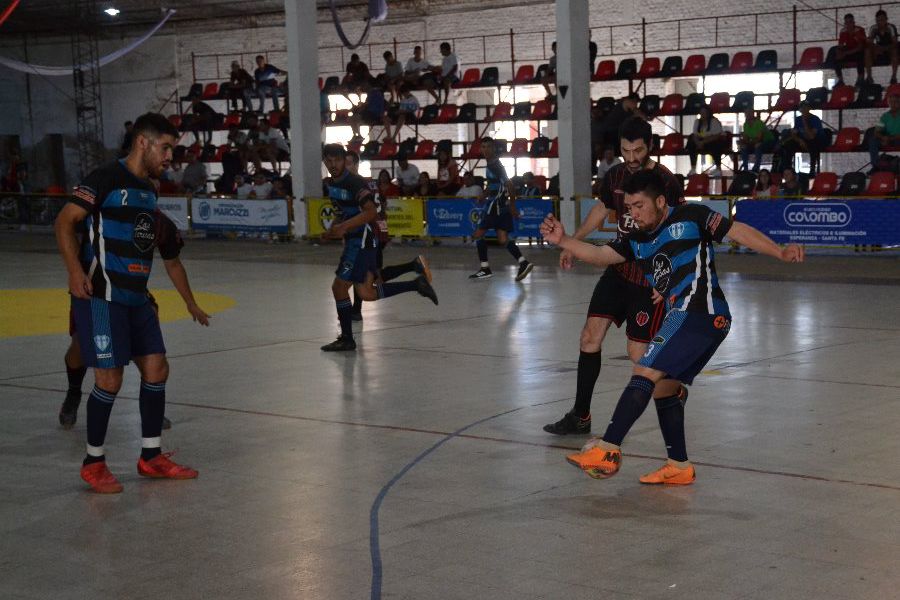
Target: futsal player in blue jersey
x,y
498,214
674,247
355,215
114,319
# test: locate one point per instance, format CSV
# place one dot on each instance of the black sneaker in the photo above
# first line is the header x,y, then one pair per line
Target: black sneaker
x,y
68,412
341,344
425,289
482,273
167,424
570,424
356,316
421,265
524,269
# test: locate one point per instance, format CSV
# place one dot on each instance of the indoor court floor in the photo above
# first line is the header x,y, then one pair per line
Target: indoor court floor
x,y
417,467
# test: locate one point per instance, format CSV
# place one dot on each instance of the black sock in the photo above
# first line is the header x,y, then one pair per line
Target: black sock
x,y
632,403
386,290
588,371
395,271
76,378
513,249
357,303
481,246
152,401
345,317
99,407
670,412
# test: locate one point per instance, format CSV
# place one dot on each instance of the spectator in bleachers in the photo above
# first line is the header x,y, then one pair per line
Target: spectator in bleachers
x,y
369,112
808,135
444,76
529,188
266,82
173,175
887,131
262,187
606,162
386,187
203,119
272,146
790,183
125,147
624,109
242,187
416,67
851,48
425,186
592,51
232,166
756,138
279,189
324,108
392,77
407,175
447,174
471,187
550,76
406,109
357,77
193,180
240,85
764,187
882,41
708,137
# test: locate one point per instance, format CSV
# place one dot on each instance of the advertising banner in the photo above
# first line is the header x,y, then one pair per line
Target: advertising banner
x,y
319,216
452,217
406,216
531,214
176,208
223,214
824,222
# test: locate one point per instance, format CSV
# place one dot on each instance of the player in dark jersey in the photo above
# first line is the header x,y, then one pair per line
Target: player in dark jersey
x,y
674,248
169,243
498,214
622,294
355,212
108,274
419,265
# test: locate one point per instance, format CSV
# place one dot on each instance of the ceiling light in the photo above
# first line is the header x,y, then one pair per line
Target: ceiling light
x,y
112,11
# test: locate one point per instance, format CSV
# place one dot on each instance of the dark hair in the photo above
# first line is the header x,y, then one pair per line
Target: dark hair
x,y
636,128
354,56
127,123
848,16
153,125
417,48
759,187
334,150
488,140
260,56
352,154
445,45
387,53
881,13
647,182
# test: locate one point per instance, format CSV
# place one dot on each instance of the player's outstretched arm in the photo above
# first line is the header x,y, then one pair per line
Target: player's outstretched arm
x,y
67,241
594,219
179,278
756,240
602,256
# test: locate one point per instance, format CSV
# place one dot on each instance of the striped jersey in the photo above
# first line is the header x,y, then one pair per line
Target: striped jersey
x,y
119,232
496,192
678,258
613,197
348,194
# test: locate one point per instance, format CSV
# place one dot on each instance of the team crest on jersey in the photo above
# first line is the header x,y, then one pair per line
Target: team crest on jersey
x,y
722,323
102,342
676,230
144,234
662,272
627,224
642,318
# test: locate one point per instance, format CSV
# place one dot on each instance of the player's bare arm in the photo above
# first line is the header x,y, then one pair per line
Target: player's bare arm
x,y
756,240
67,241
177,273
602,256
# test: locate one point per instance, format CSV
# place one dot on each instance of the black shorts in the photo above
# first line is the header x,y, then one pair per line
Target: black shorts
x,y
502,221
619,300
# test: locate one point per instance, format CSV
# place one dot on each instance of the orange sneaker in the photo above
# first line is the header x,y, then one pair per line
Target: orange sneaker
x,y
97,476
597,462
161,467
669,474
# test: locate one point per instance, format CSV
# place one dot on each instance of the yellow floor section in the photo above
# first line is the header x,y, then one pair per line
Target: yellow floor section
x,y
41,312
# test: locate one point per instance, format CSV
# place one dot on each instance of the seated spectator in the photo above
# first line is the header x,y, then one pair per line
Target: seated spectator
x,y
529,188
262,187
415,68
887,131
392,77
606,162
406,109
425,187
172,175
232,166
407,175
882,42
756,138
808,135
592,51
609,124
272,146
550,76
240,85
369,112
386,187
790,184
266,83
707,138
447,174
279,190
851,48
444,76
472,187
203,118
242,187
194,177
357,76
764,187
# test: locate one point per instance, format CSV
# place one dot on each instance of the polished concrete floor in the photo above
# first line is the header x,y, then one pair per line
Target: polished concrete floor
x,y
417,467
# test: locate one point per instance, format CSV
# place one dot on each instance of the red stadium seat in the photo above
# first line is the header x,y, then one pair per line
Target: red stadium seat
x,y
524,75
893,90
424,150
502,112
275,118
388,150
649,68
606,69
232,119
175,120
846,140
554,148
788,99
841,97
697,185
741,62
825,184
355,145
811,59
448,113
470,78
720,102
474,151
881,183
672,104
220,153
672,144
695,65
542,110
519,148
210,91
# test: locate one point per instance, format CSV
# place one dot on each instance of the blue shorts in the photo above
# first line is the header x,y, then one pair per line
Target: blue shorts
x,y
356,263
110,334
685,343
502,221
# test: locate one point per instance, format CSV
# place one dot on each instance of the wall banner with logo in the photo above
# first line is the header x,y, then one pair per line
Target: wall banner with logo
x,y
406,216
176,208
824,222
319,216
531,214
452,217
223,214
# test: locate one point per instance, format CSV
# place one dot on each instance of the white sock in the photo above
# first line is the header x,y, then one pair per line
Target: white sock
x,y
95,451
485,265
153,442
